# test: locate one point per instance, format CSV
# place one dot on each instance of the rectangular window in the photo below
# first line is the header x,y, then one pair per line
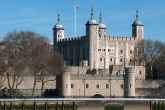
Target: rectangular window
x,y
97,86
72,86
107,85
121,86
87,85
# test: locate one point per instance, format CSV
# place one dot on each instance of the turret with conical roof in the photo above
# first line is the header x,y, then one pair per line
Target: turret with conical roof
x,y
58,30
102,27
137,28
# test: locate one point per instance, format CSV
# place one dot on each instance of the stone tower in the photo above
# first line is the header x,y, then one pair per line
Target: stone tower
x,y
92,34
137,28
58,31
129,81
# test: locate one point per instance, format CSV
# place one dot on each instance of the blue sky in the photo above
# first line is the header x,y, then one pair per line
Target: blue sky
x,y
40,16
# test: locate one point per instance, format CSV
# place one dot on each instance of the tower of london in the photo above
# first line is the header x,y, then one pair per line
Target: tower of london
x,y
98,63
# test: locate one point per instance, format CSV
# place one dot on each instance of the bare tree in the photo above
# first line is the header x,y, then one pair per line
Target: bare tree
x,y
153,51
46,63
35,52
12,67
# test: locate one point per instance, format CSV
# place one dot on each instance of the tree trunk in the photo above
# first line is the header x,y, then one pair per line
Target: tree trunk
x,y
34,86
42,86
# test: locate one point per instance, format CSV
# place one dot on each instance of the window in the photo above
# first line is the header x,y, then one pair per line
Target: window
x,y
101,59
104,50
121,60
97,86
122,86
87,85
72,86
99,49
121,51
107,85
130,51
117,73
111,59
130,85
66,85
109,50
140,72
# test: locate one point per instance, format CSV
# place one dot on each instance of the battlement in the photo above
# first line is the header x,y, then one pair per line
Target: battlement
x,y
95,77
76,69
70,39
120,38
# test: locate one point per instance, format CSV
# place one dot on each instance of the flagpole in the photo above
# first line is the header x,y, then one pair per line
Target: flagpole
x,y
75,19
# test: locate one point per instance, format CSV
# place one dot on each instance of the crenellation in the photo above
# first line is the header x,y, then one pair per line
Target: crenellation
x,y
71,39
120,38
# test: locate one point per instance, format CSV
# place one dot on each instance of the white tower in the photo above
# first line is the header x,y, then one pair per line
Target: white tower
x,y
137,28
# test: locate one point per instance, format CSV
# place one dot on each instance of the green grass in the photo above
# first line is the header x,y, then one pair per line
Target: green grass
x,y
37,107
114,107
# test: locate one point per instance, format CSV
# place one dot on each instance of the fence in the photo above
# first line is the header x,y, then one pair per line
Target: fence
x,y
37,106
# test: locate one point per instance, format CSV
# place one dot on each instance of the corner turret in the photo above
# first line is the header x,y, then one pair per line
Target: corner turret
x,y
137,28
130,81
58,30
102,27
92,34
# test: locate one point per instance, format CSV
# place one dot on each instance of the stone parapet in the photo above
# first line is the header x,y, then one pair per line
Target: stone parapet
x,y
70,39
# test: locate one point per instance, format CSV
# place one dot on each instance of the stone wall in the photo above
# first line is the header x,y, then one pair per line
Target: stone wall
x,y
91,85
